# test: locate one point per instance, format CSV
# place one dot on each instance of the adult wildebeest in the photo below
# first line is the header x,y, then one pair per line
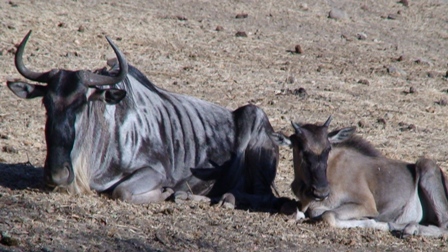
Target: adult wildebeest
x,y
345,181
114,131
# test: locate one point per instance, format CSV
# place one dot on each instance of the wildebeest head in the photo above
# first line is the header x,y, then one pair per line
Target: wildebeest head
x,y
64,96
311,146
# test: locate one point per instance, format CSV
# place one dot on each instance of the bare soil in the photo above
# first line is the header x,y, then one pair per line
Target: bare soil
x,y
380,65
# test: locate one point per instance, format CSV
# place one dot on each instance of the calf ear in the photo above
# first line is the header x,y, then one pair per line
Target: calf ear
x,y
110,96
339,136
280,139
25,90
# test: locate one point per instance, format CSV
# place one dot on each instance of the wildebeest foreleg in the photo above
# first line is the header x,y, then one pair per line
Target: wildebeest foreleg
x,y
432,186
180,196
143,186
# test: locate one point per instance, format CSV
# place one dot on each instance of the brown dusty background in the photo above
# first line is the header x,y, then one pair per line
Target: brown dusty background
x,y
379,65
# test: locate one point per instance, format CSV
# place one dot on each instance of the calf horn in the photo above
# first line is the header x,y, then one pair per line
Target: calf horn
x,y
91,79
327,123
25,72
296,127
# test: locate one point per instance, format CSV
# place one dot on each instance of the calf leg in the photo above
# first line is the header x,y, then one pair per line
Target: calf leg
x,y
432,184
354,215
143,186
407,229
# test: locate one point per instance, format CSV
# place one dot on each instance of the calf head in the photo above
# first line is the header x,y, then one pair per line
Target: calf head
x,y
311,146
65,94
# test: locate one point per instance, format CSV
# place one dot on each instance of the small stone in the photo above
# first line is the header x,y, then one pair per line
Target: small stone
x,y
13,4
412,90
442,102
62,25
364,82
219,28
81,28
392,16
395,71
298,49
404,3
431,74
241,15
365,8
9,149
361,36
401,58
423,61
181,18
301,92
346,37
241,34
291,79
337,14
430,109
446,74
303,6
381,121
362,123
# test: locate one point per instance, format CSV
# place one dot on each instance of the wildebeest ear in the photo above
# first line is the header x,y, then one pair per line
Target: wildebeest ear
x,y
280,139
339,136
25,90
110,96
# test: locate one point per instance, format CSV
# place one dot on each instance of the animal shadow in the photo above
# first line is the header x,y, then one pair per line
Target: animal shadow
x,y
21,176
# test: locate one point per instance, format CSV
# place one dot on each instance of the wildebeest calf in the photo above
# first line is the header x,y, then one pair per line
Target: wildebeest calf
x,y
343,180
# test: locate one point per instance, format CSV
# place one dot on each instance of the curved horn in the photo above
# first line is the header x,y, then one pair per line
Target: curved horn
x,y
91,79
327,123
25,72
296,127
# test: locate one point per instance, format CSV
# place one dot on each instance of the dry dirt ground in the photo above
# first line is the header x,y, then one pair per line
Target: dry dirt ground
x,y
381,65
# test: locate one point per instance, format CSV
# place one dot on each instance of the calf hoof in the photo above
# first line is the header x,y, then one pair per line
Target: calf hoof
x,y
410,230
227,201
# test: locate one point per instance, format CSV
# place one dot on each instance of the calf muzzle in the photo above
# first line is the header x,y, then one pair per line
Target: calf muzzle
x,y
320,193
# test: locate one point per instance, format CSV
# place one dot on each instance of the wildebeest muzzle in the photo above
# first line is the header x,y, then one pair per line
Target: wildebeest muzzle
x,y
61,175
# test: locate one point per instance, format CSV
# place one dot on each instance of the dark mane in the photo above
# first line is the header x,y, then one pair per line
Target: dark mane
x,y
361,145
